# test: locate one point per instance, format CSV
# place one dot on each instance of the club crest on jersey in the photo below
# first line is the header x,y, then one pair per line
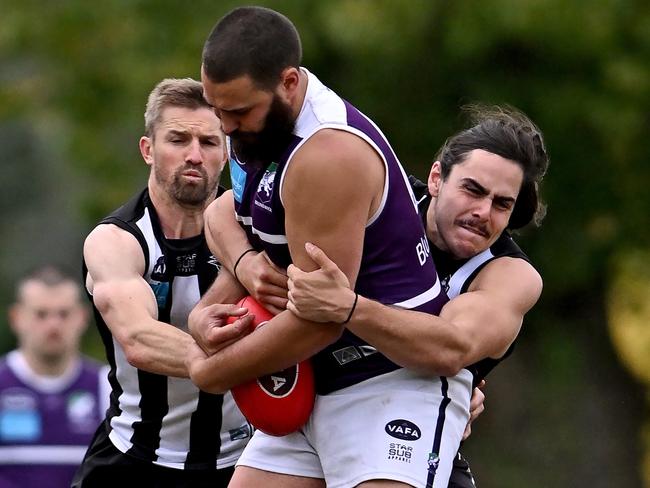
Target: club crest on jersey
x,y
280,384
81,407
403,429
265,188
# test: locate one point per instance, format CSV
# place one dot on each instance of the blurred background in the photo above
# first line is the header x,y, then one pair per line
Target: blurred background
x,y
571,406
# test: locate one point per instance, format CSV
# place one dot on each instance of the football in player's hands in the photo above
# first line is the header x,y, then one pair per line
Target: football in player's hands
x,y
278,403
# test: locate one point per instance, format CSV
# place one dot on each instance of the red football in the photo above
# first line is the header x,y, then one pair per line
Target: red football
x,y
278,403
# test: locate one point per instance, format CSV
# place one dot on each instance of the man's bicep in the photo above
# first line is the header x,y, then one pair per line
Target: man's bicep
x,y
512,282
343,242
112,253
500,296
329,193
115,265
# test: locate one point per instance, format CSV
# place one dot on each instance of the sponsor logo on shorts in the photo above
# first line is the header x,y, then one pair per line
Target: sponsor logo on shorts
x,y
399,452
403,429
280,384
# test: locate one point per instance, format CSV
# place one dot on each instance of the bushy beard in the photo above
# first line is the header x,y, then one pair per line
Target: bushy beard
x,y
268,144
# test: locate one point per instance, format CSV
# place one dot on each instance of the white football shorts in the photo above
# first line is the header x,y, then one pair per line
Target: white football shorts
x,y
399,426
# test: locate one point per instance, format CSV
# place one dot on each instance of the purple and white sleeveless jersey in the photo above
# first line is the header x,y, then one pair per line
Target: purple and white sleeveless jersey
x,y
396,266
47,423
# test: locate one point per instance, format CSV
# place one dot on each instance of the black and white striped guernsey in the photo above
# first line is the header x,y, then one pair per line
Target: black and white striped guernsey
x,y
158,418
456,275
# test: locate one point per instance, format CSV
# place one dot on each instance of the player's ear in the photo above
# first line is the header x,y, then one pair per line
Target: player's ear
x,y
290,83
435,179
14,314
146,149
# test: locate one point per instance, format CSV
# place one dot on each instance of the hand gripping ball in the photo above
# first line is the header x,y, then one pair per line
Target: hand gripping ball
x,y
278,403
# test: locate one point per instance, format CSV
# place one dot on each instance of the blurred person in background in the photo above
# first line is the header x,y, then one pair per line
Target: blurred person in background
x,y
51,397
146,266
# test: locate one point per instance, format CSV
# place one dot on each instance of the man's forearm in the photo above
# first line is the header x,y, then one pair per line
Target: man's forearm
x,y
414,340
280,343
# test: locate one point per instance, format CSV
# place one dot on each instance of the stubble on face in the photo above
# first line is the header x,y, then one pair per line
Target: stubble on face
x,y
187,193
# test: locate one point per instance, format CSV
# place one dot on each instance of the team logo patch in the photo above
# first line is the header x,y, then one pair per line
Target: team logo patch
x,y
433,462
237,179
403,429
265,188
81,408
280,384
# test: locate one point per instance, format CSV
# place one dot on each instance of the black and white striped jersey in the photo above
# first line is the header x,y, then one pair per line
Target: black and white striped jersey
x,y
157,418
456,275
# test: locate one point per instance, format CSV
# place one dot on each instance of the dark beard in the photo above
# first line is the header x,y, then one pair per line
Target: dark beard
x,y
267,145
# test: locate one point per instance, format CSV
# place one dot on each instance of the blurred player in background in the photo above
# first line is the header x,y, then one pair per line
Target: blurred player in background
x,y
51,397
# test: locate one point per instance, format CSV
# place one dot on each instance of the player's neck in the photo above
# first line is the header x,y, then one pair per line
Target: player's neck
x,y
48,365
432,228
177,221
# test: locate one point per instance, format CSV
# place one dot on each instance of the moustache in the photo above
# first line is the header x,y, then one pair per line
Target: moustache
x,y
197,169
475,225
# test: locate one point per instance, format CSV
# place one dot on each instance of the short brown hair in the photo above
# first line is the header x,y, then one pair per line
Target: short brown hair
x,y
48,275
172,92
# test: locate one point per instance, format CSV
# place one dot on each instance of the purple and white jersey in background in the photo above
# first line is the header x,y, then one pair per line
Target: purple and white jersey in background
x,y
46,423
